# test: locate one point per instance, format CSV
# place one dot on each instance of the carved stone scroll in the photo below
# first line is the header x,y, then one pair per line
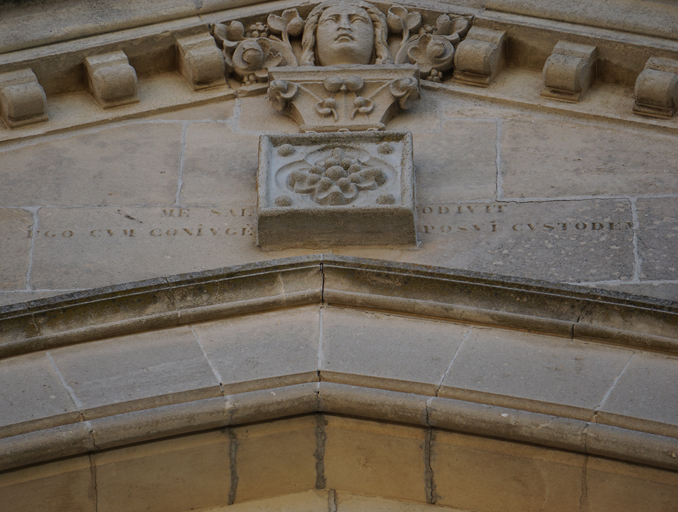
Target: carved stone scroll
x,y
200,61
657,89
480,57
569,72
316,190
338,98
22,99
111,80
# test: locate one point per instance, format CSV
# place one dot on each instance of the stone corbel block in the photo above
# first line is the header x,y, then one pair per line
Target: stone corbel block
x,y
657,89
570,71
201,63
111,80
480,57
22,99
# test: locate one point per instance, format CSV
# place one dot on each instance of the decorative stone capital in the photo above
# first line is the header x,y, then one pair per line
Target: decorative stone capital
x,y
343,98
22,99
657,89
569,72
480,57
111,80
315,190
200,61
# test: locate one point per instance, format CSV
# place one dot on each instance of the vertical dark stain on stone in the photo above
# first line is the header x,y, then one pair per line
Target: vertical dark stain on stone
x,y
319,454
93,488
429,483
233,466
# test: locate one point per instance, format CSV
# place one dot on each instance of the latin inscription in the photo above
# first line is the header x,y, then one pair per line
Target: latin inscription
x,y
479,219
491,218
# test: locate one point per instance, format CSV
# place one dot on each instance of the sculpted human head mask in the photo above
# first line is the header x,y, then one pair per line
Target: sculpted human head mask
x,y
345,32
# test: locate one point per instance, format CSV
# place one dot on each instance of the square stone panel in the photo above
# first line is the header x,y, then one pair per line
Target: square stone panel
x,y
347,188
529,367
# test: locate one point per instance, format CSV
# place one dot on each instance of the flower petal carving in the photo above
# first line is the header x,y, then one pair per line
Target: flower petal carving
x,y
406,90
432,52
280,92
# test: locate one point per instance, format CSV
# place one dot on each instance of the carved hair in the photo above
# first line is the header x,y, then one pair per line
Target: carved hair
x,y
378,23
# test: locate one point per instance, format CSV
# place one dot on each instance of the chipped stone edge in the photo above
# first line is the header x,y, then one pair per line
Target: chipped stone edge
x,y
469,297
329,398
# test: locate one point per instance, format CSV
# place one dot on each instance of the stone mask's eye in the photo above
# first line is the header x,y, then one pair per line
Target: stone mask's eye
x,y
358,18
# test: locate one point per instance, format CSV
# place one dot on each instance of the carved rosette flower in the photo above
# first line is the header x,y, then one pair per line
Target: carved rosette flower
x,y
336,180
406,90
280,92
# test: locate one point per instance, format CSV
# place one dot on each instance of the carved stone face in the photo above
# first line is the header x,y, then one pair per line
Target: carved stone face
x,y
345,35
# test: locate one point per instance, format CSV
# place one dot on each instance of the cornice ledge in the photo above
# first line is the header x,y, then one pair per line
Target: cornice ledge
x,y
468,297
330,398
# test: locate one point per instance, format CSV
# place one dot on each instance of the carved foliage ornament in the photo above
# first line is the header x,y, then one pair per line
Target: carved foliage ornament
x,y
339,33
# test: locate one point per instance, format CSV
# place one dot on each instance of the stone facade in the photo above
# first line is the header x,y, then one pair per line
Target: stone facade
x,y
339,256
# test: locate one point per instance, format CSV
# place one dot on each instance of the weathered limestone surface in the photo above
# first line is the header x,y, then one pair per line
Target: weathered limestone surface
x,y
67,484
220,165
15,247
275,458
142,242
542,158
470,475
371,458
382,347
106,374
447,169
31,390
248,348
658,220
159,473
517,365
643,391
134,164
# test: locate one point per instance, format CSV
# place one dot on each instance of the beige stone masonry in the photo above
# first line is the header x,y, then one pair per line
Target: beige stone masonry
x,y
657,88
200,61
480,57
111,80
570,71
22,99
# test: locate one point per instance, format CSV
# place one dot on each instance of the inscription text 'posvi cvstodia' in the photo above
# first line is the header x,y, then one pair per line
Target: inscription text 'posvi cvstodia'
x,y
324,189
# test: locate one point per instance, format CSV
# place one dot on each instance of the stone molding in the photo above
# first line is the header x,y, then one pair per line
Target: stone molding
x,y
470,297
159,48
330,398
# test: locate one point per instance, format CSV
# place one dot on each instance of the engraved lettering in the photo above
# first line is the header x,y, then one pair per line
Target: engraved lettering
x,y
443,209
427,228
188,231
580,225
426,210
153,232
